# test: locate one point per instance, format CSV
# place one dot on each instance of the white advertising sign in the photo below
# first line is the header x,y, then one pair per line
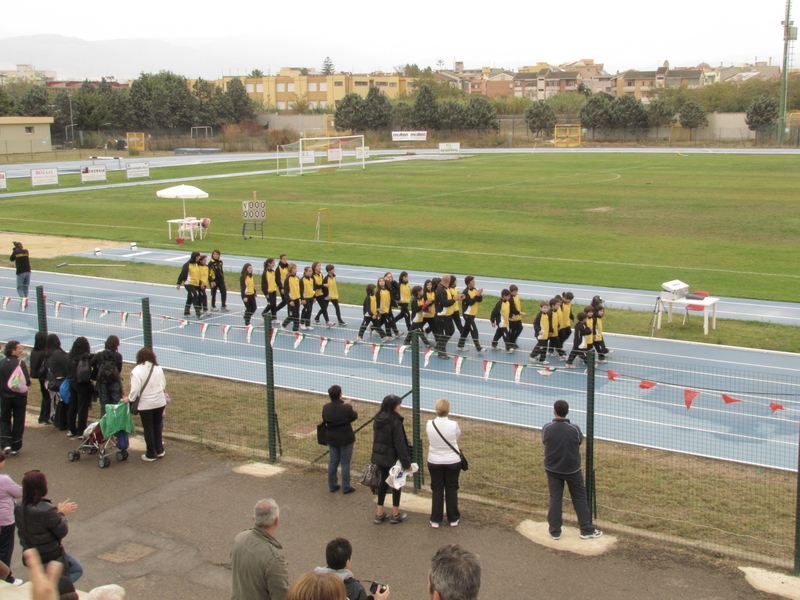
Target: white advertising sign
x,y
44,176
335,154
307,157
93,173
254,209
362,152
450,148
137,169
414,136
3,182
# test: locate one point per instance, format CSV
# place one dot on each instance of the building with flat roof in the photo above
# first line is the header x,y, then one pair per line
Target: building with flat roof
x,y
25,134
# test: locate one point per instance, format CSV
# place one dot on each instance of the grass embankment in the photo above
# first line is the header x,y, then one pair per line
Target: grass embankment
x,y
730,332
725,224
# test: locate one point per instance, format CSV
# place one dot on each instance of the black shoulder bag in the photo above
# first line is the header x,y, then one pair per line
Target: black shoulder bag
x,y
134,404
464,462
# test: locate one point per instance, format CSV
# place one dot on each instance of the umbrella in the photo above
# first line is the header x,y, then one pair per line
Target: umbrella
x,y
182,192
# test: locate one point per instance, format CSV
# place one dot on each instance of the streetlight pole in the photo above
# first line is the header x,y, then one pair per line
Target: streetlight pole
x,y
789,35
71,122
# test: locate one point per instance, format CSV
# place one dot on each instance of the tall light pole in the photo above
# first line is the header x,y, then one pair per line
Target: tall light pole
x,y
71,122
789,35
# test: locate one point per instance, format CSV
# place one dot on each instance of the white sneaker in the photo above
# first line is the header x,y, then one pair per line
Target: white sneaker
x,y
434,525
18,582
543,362
214,309
610,352
562,358
386,339
482,351
359,339
569,366
226,309
309,328
330,324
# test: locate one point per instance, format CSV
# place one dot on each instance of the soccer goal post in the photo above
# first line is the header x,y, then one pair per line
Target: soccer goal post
x,y
310,154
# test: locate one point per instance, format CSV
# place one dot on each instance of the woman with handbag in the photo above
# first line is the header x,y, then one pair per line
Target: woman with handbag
x,y
147,399
444,464
389,445
43,525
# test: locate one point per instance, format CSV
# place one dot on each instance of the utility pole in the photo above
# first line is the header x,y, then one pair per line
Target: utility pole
x,y
789,35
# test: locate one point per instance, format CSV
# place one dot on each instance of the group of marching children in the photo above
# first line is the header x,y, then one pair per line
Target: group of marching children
x,y
282,287
552,329
199,275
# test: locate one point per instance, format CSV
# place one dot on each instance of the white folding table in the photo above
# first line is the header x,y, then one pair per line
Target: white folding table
x,y
706,303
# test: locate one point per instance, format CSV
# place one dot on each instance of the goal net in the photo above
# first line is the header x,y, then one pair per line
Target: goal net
x,y
311,154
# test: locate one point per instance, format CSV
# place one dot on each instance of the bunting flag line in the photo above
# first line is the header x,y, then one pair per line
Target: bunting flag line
x,y
458,361
729,400
225,330
689,396
58,308
488,365
203,329
612,376
85,311
183,323
347,345
376,349
427,355
249,332
272,335
6,301
123,318
401,350
298,337
775,406
518,369
103,313
646,385
323,342
547,371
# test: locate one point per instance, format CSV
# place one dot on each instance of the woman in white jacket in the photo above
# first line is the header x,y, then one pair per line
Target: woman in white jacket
x,y
147,384
444,465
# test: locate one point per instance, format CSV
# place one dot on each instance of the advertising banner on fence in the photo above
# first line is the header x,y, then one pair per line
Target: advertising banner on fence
x,y
406,136
3,182
307,157
93,173
362,152
335,154
450,148
137,169
44,176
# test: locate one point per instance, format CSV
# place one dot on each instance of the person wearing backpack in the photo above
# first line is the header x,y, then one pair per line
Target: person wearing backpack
x,y
14,382
108,366
80,385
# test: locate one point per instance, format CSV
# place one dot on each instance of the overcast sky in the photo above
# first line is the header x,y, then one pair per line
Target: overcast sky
x,y
362,36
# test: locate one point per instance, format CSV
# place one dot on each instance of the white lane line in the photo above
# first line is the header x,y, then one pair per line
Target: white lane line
x,y
136,254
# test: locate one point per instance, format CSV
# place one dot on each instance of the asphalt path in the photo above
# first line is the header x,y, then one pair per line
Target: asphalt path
x,y
747,431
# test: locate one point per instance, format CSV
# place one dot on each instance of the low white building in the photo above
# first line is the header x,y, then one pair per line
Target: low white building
x,y
25,134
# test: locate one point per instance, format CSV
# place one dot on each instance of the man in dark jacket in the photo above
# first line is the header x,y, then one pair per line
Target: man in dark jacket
x,y
12,401
338,414
259,570
338,555
21,258
562,463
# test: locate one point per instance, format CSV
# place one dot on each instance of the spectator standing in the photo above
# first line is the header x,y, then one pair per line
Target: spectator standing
x,y
13,400
148,384
57,362
562,463
80,384
444,464
108,366
9,491
22,260
39,372
389,445
259,568
338,415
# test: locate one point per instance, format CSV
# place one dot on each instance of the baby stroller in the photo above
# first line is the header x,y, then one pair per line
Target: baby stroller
x,y
94,441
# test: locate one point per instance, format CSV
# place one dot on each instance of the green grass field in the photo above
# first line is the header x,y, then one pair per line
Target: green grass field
x,y
724,224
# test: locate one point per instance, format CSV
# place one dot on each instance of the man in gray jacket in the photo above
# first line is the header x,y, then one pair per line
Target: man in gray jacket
x,y
259,568
562,463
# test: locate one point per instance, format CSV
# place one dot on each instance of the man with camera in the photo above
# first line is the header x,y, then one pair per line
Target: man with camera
x,y
338,555
21,258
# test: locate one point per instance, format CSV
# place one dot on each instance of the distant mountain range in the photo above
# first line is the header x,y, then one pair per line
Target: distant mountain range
x,y
74,58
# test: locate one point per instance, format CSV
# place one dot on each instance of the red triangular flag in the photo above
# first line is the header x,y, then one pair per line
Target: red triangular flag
x,y
775,406
646,385
729,400
689,396
612,376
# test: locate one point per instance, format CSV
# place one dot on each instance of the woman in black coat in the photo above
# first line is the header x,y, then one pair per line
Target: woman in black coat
x,y
57,362
81,392
39,371
389,445
339,415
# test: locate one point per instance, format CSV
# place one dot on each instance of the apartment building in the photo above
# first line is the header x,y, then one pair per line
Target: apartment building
x,y
641,84
27,74
545,83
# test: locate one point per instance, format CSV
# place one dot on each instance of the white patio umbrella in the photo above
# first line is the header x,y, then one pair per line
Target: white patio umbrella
x,y
182,192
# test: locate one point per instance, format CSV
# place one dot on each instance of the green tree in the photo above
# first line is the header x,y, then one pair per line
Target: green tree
x,y
377,110
452,115
541,118
762,115
204,109
256,73
240,104
596,113
660,113
92,112
510,105
7,108
426,113
35,103
567,106
402,115
482,115
118,104
692,116
299,104
629,114
350,113
327,66
61,114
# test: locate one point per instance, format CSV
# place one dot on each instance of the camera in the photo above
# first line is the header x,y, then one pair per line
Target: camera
x,y
377,588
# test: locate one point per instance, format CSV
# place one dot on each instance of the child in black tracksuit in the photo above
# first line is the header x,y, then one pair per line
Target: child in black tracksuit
x,y
597,331
472,297
216,276
543,328
501,316
582,340
371,316
417,322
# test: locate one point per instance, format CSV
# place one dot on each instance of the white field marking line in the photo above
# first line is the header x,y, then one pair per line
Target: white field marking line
x,y
702,344
136,254
727,362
